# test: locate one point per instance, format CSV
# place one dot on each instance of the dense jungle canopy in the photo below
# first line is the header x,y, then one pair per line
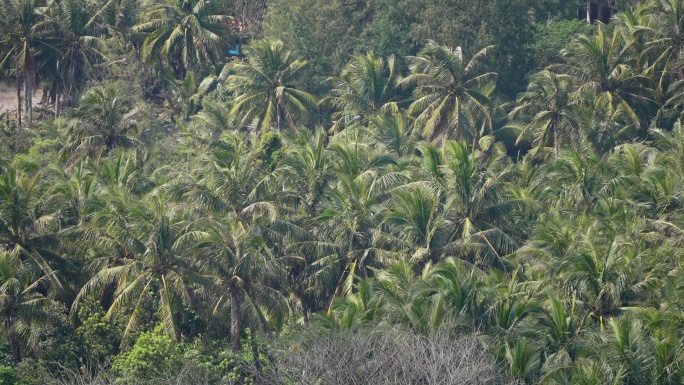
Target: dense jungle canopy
x,y
341,192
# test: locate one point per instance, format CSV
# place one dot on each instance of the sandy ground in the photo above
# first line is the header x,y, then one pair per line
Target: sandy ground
x,y
8,98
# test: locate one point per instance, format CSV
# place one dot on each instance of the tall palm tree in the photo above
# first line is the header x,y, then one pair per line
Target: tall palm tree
x,y
306,170
346,229
247,268
21,303
72,26
549,107
601,66
667,29
27,229
102,122
365,87
18,32
153,264
473,190
631,349
265,87
183,33
238,244
446,83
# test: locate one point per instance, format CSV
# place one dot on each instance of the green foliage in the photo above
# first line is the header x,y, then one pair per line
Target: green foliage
x,y
153,357
8,376
95,333
159,182
551,37
271,145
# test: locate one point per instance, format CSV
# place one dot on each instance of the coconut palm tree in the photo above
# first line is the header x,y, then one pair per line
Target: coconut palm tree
x,y
548,107
27,229
241,255
18,32
72,26
151,261
473,190
446,83
306,170
183,33
666,26
101,122
239,243
601,66
21,303
365,87
265,87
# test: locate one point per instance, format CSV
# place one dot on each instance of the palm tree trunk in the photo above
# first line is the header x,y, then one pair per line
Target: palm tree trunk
x,y
235,319
288,116
57,104
255,350
459,126
305,312
28,96
18,94
556,138
56,95
13,340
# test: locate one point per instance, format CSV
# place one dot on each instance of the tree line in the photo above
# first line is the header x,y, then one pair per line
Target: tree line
x,y
174,205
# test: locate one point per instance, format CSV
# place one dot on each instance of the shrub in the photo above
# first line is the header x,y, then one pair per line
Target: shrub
x,y
154,357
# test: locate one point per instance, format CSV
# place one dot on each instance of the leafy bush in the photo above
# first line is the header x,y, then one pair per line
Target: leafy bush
x,y
8,376
154,356
553,36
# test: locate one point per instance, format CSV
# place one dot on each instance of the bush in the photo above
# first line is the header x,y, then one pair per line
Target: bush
x,y
551,37
154,357
8,376
384,357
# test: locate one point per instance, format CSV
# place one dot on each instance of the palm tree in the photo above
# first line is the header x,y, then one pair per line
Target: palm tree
x,y
27,229
306,171
17,26
242,257
631,350
265,87
600,64
184,33
365,87
393,131
667,27
348,241
472,188
416,218
549,106
72,27
239,243
151,264
21,303
446,83
102,122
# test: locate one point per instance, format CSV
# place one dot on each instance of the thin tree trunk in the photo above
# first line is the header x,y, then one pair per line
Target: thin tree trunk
x,y
556,137
459,126
235,319
28,96
306,315
18,95
288,116
57,96
255,350
57,104
13,340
